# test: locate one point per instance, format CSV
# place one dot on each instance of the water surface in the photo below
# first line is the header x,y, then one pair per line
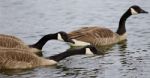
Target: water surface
x,y
31,19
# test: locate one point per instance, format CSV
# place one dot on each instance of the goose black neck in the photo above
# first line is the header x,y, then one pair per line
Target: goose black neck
x,y
122,29
39,45
61,56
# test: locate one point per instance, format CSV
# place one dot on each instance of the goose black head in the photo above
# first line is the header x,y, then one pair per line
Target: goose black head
x,y
63,36
136,10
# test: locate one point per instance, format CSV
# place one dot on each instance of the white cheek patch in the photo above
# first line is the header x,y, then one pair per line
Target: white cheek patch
x,y
89,52
133,12
79,43
59,37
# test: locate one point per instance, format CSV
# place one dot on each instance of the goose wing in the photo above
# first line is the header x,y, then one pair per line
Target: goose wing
x,y
93,35
17,60
11,42
91,32
11,37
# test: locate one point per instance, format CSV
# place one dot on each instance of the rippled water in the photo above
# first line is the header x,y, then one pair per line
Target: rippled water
x,y
31,19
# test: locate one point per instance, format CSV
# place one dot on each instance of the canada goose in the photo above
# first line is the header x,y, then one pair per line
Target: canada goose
x,y
15,59
8,41
103,36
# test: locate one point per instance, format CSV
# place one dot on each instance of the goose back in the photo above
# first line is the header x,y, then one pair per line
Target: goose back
x,y
11,37
10,42
95,35
16,59
4,49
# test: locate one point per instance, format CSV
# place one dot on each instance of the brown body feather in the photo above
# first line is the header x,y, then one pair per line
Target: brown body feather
x,y
20,59
8,41
11,37
4,49
95,35
11,42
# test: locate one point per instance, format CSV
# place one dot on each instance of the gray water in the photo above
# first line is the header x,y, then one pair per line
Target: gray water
x,y
31,19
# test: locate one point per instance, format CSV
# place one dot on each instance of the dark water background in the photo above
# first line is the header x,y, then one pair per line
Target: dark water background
x,y
31,19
